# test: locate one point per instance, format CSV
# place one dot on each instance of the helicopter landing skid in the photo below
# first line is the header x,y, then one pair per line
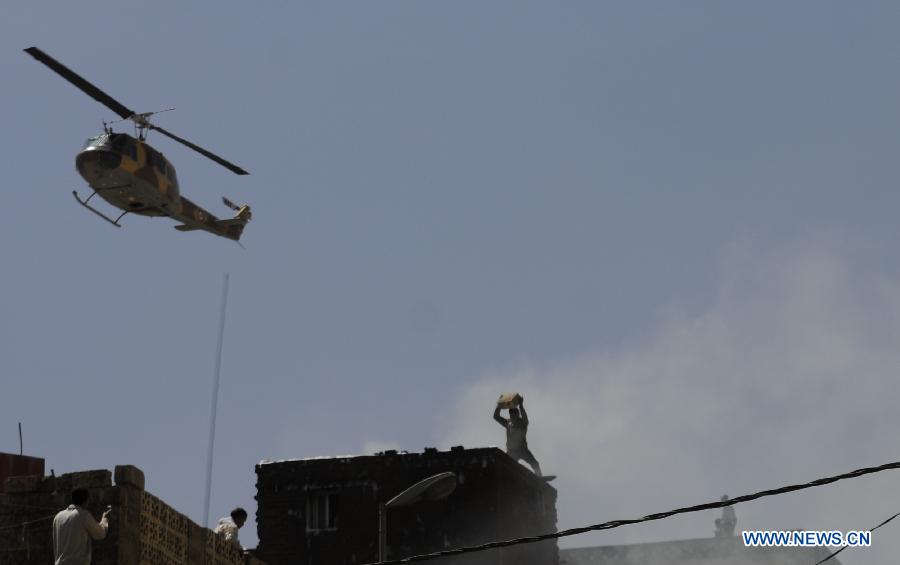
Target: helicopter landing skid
x,y
96,211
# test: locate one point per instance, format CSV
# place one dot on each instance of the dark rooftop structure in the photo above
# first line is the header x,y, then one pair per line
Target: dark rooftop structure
x,y
19,465
325,510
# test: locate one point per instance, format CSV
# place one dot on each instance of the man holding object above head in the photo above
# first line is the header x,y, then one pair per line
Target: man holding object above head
x,y
516,429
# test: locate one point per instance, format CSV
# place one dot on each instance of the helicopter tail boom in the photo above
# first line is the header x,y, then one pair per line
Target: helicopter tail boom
x,y
232,229
196,218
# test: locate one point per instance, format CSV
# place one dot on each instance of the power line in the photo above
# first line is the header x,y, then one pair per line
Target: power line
x,y
650,517
24,524
846,546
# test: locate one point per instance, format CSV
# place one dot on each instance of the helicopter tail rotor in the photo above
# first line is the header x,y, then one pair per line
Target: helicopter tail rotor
x,y
243,211
234,227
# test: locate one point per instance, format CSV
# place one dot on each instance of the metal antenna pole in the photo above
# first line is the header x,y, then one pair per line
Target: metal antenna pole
x,y
20,439
215,402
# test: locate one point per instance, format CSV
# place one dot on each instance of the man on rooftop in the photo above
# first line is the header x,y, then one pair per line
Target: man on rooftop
x,y
73,530
516,429
228,526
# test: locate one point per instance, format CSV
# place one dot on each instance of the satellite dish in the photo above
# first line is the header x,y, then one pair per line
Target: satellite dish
x,y
437,487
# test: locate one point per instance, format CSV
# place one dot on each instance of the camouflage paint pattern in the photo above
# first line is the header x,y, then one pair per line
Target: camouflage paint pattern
x,y
132,176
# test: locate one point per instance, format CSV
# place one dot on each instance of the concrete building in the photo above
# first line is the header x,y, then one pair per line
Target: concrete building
x,y
325,510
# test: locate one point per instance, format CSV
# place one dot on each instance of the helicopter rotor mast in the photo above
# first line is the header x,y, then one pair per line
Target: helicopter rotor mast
x,y
141,120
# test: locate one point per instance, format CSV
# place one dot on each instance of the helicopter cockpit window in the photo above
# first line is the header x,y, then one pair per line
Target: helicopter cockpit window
x,y
125,145
95,141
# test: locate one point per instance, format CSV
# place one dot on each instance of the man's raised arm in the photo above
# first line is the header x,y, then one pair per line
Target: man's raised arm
x,y
500,419
97,530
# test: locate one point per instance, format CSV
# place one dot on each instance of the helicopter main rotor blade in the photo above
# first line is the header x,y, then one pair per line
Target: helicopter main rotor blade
x,y
230,166
80,82
119,108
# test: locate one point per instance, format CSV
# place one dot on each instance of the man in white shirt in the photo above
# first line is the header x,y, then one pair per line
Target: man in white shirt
x,y
228,527
73,529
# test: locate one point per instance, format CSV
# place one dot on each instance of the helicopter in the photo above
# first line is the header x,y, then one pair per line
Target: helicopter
x,y
136,178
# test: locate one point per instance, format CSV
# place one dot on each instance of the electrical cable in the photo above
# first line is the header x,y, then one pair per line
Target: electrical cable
x,y
846,546
23,524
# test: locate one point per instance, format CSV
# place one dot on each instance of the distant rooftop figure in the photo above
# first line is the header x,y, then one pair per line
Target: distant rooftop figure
x,y
726,524
516,429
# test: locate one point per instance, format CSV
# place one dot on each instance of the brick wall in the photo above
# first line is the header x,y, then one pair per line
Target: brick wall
x,y
27,509
144,530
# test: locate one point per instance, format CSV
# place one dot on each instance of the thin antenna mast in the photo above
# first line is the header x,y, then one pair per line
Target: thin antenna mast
x,y
21,452
215,402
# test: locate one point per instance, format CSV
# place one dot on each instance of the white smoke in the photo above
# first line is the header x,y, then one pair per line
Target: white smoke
x,y
789,375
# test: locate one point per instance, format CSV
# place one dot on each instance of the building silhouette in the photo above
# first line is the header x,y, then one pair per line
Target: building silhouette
x,y
325,510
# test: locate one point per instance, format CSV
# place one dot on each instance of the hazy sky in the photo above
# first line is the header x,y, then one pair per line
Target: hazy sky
x,y
670,225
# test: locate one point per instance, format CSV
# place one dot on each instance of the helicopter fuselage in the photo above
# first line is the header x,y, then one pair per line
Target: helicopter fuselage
x,y
130,175
134,177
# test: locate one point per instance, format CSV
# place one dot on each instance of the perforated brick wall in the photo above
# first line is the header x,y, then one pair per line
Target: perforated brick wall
x,y
144,530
